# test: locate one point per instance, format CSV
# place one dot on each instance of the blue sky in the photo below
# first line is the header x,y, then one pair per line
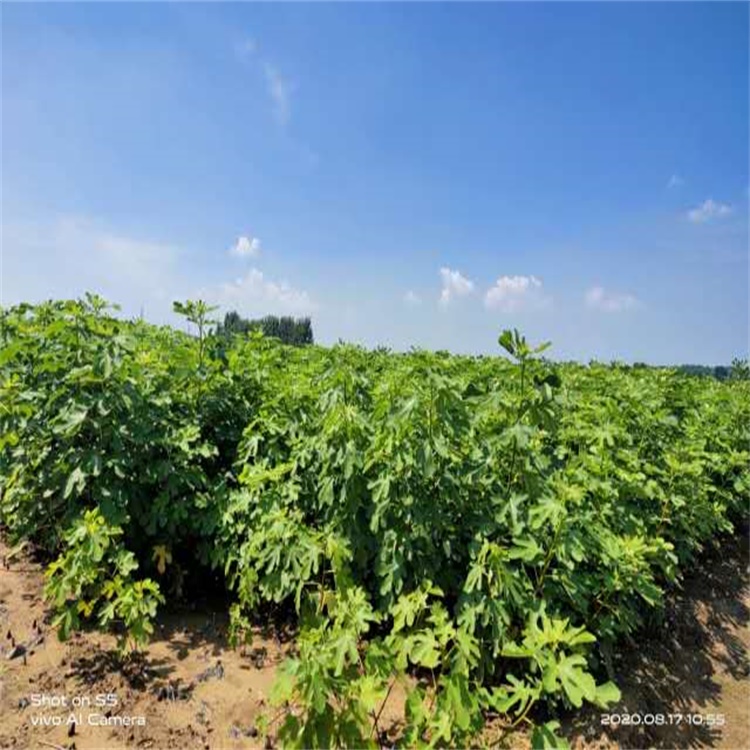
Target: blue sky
x,y
407,174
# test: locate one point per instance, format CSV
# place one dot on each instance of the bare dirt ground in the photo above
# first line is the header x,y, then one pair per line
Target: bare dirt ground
x,y
193,691
695,666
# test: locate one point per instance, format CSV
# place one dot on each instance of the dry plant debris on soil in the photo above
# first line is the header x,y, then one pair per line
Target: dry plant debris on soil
x,y
698,665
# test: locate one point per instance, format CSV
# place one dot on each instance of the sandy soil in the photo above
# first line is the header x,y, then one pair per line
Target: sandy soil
x,y
193,691
695,666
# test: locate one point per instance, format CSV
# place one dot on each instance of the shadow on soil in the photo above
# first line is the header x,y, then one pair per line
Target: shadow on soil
x,y
183,631
678,668
694,663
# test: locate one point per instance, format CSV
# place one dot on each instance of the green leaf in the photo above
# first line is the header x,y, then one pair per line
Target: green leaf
x,y
371,692
424,650
506,341
576,682
513,697
545,738
283,686
460,701
76,480
526,549
70,420
606,694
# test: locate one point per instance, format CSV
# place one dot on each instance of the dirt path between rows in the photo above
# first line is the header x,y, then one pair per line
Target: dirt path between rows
x,y
695,670
196,692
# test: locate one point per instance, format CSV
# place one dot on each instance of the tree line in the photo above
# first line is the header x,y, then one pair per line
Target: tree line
x,y
289,330
738,370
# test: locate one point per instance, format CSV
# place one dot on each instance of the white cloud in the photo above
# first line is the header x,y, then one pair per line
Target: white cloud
x,y
514,293
79,254
278,86
256,294
454,285
280,90
412,298
598,298
675,181
245,247
708,210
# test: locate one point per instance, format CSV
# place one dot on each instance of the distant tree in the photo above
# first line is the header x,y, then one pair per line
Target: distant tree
x,y
699,370
233,323
721,372
740,369
296,331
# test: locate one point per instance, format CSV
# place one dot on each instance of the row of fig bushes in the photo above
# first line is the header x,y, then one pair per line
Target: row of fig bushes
x,y
484,530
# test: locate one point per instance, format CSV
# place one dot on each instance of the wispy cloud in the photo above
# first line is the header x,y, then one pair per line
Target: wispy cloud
x,y
708,210
277,85
675,181
256,294
245,247
412,298
80,254
280,91
455,285
514,293
598,298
